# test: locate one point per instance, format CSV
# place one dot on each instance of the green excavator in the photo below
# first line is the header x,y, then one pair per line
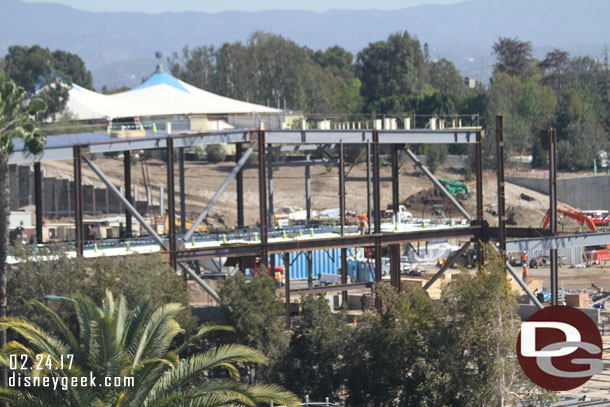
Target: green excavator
x,y
455,188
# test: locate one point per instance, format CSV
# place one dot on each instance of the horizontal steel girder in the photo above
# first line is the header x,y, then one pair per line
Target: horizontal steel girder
x,y
240,250
99,142
558,242
456,136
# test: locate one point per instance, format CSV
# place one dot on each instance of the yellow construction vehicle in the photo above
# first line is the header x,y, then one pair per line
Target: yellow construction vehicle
x,y
188,223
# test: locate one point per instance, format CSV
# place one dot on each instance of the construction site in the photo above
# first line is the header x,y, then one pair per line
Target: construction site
x,y
326,205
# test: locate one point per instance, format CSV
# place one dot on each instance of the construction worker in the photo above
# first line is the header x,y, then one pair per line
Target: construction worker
x,y
524,262
278,279
363,302
363,222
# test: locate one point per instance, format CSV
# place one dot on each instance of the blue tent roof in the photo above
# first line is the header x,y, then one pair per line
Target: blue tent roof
x,y
160,77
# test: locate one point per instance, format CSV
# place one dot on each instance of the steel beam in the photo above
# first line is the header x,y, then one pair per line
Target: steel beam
x,y
182,190
369,206
287,287
219,192
439,186
377,204
171,205
448,263
38,200
127,176
478,155
146,226
270,191
548,243
262,195
78,201
395,249
330,288
385,239
342,216
363,136
239,149
62,148
308,190
501,194
554,277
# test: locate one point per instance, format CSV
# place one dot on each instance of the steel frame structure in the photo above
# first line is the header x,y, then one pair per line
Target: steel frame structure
x,y
477,232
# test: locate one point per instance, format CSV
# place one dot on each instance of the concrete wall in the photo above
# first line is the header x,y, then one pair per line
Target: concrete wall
x,y
586,193
58,194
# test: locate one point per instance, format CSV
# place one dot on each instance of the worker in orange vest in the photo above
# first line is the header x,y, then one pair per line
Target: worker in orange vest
x,y
278,279
524,262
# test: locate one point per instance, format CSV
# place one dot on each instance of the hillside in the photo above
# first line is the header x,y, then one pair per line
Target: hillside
x,y
116,46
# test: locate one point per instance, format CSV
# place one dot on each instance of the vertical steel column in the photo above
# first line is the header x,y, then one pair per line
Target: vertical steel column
x,y
342,217
377,204
308,189
395,249
553,214
270,209
262,194
240,187
38,200
479,192
171,204
287,287
78,201
182,190
270,187
369,212
127,176
501,195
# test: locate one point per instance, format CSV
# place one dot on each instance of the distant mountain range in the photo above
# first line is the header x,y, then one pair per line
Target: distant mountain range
x,y
119,47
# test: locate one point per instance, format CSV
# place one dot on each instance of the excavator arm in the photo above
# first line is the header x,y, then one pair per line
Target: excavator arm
x,y
571,213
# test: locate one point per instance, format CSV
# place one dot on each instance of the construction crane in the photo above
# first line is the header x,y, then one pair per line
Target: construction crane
x,y
570,212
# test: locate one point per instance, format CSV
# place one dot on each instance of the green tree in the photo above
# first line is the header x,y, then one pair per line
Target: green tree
x,y
16,123
555,67
445,77
514,57
252,308
312,364
437,154
46,74
73,67
114,341
215,153
137,277
392,70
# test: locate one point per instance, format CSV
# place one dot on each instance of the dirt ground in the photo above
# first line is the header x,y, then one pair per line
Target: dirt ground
x,y
203,179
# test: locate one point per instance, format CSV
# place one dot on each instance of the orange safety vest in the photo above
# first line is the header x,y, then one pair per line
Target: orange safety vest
x,y
278,276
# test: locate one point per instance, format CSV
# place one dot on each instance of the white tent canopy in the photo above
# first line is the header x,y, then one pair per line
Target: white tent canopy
x,y
161,95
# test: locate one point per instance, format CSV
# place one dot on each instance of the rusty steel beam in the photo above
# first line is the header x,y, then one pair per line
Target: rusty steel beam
x,y
384,239
501,193
79,237
287,287
171,207
342,216
479,194
262,197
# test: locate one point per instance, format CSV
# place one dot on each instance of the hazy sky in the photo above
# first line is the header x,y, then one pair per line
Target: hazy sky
x,y
158,6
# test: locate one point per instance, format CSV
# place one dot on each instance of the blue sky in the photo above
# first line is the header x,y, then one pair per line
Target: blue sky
x,y
158,6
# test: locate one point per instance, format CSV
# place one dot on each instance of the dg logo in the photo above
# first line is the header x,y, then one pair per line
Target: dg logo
x,y
560,348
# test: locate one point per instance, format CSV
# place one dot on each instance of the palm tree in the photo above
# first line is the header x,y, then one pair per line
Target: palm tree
x,y
16,122
113,341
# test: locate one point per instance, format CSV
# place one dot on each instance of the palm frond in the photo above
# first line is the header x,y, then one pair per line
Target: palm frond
x,y
158,333
203,330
